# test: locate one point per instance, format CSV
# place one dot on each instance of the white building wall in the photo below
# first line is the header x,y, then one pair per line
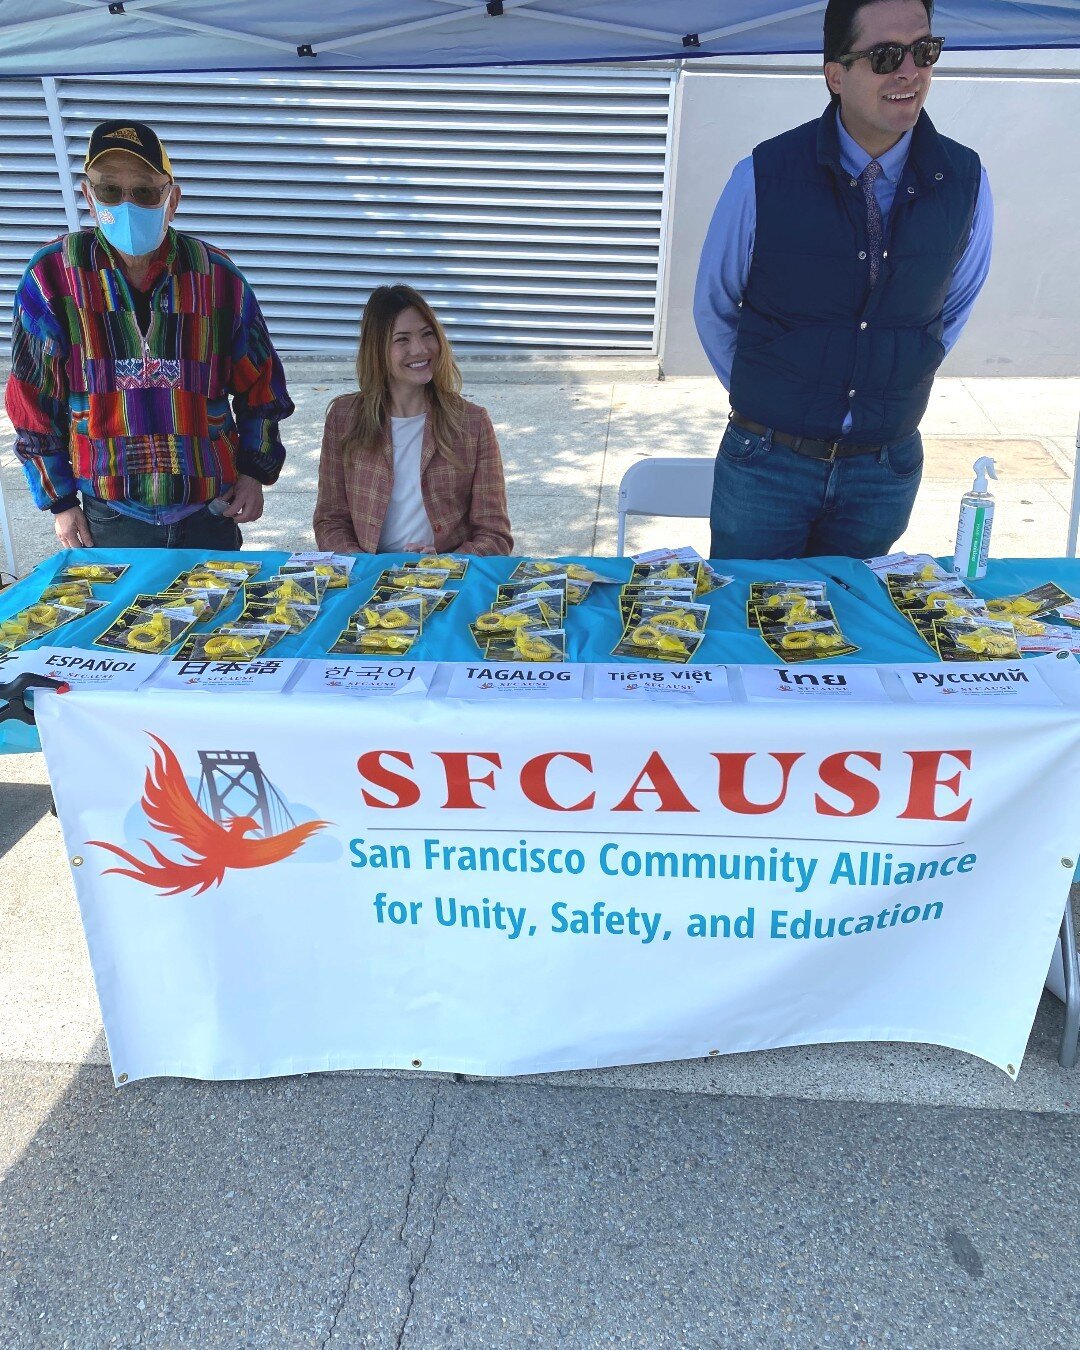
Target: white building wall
x,y
1020,115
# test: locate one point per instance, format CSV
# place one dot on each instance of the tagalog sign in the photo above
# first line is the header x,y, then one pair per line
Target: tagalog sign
x,y
271,888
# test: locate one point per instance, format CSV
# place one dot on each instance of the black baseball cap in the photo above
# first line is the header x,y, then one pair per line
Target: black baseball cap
x,y
134,138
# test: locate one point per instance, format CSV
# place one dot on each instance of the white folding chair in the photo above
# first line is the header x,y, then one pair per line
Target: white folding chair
x,y
664,486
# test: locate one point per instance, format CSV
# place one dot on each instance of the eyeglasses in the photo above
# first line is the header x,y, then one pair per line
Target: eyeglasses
x,y
142,194
885,57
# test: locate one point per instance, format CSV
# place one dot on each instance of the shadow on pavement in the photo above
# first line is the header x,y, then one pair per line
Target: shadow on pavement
x,y
22,805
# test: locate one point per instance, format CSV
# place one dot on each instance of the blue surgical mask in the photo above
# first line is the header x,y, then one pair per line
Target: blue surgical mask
x,y
134,230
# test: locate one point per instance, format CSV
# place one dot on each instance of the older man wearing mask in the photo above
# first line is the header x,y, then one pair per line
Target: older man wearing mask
x,y
143,377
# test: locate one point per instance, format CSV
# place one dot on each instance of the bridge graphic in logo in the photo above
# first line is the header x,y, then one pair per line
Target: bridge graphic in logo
x,y
237,820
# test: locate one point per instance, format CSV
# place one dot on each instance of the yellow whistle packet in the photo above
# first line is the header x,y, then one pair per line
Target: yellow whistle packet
x,y
509,619
976,639
527,644
142,628
354,641
808,642
433,601
1031,604
651,640
225,644
301,588
454,566
97,574
402,614
43,617
419,578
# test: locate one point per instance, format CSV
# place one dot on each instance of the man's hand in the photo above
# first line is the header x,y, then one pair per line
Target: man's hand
x,y
418,548
245,501
72,530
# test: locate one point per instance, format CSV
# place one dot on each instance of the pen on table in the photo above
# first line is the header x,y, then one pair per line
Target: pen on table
x,y
844,584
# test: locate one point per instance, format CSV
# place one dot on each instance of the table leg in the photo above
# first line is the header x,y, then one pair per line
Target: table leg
x,y
1070,1036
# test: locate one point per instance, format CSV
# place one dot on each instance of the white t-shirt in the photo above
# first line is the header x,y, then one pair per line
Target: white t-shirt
x,y
406,520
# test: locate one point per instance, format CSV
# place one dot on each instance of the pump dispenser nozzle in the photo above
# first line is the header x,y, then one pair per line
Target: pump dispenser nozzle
x,y
983,466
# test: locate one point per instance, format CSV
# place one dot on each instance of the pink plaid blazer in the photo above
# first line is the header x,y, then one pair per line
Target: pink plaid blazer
x,y
466,503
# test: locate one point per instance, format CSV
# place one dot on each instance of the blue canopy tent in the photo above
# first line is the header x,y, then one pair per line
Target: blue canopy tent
x,y
132,37
99,37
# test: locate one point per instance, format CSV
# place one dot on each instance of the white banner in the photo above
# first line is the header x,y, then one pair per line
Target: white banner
x,y
279,886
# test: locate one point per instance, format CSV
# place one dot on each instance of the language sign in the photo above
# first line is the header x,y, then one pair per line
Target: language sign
x,y
266,674
1014,682
694,684
519,680
84,668
360,679
829,684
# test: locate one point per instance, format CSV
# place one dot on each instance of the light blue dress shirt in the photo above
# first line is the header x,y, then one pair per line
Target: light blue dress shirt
x,y
729,247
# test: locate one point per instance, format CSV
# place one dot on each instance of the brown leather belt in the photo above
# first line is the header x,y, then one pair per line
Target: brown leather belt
x,y
802,445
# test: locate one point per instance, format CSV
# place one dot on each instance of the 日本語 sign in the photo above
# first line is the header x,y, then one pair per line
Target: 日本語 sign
x,y
266,674
274,886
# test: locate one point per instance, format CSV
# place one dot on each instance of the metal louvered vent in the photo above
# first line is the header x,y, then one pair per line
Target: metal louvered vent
x,y
528,206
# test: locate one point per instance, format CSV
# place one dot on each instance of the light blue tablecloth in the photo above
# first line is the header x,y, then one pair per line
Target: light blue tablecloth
x,y
862,606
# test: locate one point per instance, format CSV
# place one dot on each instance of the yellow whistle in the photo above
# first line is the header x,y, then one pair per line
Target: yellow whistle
x,y
376,640
90,572
231,644
533,648
15,629
144,637
283,614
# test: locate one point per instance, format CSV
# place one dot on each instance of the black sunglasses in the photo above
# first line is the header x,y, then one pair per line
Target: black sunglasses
x,y
886,57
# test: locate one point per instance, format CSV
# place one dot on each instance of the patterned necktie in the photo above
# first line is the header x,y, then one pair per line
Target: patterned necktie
x,y
868,178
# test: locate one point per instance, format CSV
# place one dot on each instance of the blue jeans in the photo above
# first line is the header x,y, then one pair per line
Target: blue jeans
x,y
769,502
202,529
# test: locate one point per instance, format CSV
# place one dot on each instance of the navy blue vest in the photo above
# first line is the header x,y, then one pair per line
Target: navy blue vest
x,y
814,339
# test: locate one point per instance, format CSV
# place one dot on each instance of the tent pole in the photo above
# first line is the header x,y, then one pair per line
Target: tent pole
x,y
1074,509
5,536
60,153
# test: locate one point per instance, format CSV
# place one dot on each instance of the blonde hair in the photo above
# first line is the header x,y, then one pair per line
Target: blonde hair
x,y
370,427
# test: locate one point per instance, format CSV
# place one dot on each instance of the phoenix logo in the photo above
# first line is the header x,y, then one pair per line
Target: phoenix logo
x,y
211,847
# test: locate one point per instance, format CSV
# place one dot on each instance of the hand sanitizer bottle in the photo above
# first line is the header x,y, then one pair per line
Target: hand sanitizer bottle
x,y
973,527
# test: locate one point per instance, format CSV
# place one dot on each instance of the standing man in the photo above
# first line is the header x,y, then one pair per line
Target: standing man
x,y
841,265
129,341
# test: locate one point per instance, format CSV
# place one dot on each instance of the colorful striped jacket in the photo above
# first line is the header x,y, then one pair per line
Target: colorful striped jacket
x,y
100,407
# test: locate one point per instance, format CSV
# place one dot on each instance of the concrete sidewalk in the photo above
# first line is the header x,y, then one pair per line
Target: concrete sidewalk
x,y
569,428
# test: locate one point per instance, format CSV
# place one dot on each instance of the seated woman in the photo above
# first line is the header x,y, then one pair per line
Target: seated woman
x,y
408,466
